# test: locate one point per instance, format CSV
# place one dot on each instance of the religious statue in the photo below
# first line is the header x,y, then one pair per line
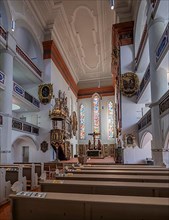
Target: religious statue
x,y
99,146
89,145
94,134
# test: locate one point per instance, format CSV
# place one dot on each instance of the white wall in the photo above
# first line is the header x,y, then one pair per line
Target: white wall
x,y
131,113
87,102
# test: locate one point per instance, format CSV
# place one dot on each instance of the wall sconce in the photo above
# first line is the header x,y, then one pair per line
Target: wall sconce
x,y
13,25
112,4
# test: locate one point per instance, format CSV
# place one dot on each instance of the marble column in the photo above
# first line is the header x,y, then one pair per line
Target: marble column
x,y
6,66
158,78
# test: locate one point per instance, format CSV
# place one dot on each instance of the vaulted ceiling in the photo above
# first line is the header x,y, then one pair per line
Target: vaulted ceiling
x,y
82,31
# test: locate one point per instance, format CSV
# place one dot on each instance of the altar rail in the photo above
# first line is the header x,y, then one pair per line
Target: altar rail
x,y
24,126
28,60
145,121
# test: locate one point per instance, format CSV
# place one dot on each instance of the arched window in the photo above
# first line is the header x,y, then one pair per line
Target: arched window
x,y
110,120
96,113
82,122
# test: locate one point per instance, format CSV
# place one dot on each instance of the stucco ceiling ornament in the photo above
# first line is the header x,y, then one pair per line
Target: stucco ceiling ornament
x,y
129,84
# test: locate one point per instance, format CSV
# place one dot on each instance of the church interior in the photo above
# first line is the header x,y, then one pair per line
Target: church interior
x,y
84,109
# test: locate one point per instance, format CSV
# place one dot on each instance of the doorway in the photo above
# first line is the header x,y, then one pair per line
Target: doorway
x,y
25,154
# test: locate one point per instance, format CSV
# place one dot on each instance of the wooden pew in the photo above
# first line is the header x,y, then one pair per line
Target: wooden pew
x,y
5,187
28,172
121,172
39,167
70,206
119,178
106,188
145,168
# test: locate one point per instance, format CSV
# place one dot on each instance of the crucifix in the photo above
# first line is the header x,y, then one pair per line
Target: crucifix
x,y
94,134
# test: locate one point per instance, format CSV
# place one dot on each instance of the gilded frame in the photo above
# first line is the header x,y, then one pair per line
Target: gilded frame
x,y
45,93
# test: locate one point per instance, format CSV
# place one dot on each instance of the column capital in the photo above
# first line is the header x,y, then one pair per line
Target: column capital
x,y
153,21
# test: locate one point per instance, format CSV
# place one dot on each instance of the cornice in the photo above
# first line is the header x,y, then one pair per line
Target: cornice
x,y
88,92
51,52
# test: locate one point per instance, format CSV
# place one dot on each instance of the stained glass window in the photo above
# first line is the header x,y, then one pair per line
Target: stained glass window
x,y
82,122
96,113
110,120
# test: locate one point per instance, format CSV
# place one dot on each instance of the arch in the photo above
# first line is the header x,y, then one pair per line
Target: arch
x,y
140,23
27,40
17,147
5,15
26,138
146,139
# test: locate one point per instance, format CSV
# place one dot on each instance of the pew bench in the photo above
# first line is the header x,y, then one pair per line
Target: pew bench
x,y
121,172
89,207
106,188
119,178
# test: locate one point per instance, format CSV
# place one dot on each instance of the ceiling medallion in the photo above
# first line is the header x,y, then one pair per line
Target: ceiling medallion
x,y
129,84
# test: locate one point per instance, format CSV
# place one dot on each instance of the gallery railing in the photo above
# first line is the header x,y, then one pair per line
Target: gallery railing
x,y
163,45
144,82
24,126
20,91
28,60
144,121
3,33
1,120
164,103
141,46
2,77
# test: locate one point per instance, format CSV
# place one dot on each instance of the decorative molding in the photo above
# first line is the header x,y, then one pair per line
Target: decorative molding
x,y
103,91
51,52
93,37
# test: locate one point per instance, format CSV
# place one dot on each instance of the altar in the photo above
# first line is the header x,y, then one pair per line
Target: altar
x,y
94,153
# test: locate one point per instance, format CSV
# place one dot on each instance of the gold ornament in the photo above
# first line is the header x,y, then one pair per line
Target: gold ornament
x,y
129,84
